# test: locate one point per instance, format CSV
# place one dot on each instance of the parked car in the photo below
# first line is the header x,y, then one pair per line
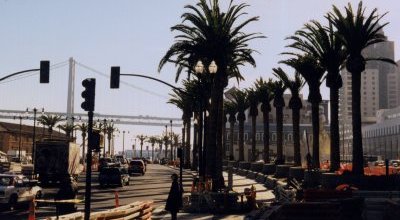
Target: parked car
x,y
164,161
113,176
16,189
137,166
121,162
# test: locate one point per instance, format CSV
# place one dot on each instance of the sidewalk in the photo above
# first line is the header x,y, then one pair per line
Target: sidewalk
x,y
239,184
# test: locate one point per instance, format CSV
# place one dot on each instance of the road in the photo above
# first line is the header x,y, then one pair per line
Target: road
x,y
154,185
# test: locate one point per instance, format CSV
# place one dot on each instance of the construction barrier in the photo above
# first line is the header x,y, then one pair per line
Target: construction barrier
x,y
116,199
32,207
135,210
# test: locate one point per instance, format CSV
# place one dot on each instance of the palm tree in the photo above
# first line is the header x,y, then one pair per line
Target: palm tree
x,y
252,97
141,139
294,85
110,129
212,35
50,121
239,98
266,94
152,140
83,128
175,138
231,109
279,103
312,71
165,138
357,31
187,101
159,141
68,129
328,49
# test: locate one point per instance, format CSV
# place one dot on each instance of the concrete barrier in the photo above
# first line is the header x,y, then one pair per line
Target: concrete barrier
x,y
296,173
282,171
268,169
244,165
256,167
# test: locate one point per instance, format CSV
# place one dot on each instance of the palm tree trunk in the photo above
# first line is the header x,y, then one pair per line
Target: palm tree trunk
x,y
166,149
279,135
315,126
224,135
83,148
253,138
334,129
265,112
187,143
202,144
218,179
231,130
241,119
195,152
358,167
296,136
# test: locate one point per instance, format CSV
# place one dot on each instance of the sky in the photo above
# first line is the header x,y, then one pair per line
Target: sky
x,y
135,35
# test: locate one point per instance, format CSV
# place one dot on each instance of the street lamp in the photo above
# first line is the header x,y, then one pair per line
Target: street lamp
x,y
34,132
172,153
199,69
123,142
20,117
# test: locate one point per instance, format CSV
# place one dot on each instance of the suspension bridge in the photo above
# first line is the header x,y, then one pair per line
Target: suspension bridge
x,y
72,117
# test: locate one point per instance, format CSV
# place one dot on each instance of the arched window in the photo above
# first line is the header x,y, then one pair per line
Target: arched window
x,y
289,137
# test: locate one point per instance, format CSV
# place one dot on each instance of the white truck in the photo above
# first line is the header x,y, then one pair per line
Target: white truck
x,y
56,161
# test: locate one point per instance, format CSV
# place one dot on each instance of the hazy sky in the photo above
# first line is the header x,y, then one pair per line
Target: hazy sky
x,y
134,35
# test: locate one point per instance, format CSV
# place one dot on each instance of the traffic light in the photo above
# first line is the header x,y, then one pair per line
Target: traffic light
x,y
44,71
88,94
115,74
95,140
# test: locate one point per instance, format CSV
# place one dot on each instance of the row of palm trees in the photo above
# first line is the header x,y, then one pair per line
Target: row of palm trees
x,y
316,52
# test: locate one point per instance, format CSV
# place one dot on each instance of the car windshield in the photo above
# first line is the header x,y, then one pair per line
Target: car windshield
x,y
137,163
111,171
5,181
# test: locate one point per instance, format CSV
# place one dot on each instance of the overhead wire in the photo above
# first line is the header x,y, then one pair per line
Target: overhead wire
x,y
123,82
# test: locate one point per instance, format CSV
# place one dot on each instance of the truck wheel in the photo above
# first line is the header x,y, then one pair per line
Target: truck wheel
x,y
12,203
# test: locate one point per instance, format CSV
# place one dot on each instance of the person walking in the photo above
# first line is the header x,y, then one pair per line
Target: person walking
x,y
174,200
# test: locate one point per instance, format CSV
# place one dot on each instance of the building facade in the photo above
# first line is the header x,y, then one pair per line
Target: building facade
x,y
383,138
14,138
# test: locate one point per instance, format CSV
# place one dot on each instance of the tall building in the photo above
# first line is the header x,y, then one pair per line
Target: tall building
x,y
380,89
377,86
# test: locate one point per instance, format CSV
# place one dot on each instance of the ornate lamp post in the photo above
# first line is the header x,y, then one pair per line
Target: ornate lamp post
x,y
199,69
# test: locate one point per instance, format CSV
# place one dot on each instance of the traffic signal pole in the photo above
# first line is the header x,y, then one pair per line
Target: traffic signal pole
x,y
88,189
88,105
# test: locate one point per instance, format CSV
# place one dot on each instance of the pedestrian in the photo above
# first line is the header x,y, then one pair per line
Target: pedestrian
x,y
68,191
174,200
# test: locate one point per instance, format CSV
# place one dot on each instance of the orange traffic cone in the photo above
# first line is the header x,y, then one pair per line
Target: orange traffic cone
x,y
116,199
32,210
